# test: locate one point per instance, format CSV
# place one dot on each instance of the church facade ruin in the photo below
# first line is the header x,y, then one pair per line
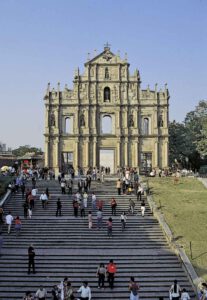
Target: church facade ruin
x,y
106,119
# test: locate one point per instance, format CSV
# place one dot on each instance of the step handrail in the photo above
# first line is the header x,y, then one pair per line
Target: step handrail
x,y
6,197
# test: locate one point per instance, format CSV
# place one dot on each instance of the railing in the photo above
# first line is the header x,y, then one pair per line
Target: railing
x,y
5,197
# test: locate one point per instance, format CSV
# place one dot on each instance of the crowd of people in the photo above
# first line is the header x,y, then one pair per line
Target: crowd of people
x,y
128,184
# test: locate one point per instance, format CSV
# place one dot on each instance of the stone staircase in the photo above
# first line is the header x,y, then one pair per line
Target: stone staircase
x,y
65,246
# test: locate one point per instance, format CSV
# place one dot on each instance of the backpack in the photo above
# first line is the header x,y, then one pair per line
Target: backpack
x,y
134,289
112,268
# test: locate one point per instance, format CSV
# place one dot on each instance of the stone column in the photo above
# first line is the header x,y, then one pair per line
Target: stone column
x,y
94,153
86,153
76,155
57,153
166,154
136,154
47,144
156,154
126,152
118,155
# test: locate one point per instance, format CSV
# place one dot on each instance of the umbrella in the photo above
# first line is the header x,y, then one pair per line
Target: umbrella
x,y
4,168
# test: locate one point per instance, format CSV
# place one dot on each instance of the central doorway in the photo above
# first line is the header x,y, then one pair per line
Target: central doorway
x,y
107,159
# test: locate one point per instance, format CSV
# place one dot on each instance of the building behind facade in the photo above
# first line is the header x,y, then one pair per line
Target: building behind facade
x,y
106,119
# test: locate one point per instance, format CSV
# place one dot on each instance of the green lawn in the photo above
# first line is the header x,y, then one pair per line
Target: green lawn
x,y
185,209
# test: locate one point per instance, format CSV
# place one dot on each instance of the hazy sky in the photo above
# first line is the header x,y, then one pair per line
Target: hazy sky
x,y
45,40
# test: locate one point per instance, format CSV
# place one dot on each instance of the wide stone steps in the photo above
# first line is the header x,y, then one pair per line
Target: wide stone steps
x,y
66,247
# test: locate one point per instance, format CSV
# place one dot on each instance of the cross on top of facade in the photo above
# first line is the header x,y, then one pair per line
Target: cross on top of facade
x,y
107,46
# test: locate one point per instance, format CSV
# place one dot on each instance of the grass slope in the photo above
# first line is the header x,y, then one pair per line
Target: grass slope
x,y
185,209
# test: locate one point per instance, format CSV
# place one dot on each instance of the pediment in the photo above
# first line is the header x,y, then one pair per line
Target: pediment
x,y
105,57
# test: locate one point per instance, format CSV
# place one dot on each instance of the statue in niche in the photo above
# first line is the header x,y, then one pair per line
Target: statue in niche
x,y
106,73
82,120
131,121
160,121
52,119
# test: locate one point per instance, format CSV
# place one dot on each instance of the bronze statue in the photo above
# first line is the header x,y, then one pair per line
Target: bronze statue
x,y
160,121
82,120
131,121
52,119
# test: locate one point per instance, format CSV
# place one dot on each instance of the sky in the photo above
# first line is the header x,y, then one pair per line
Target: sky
x,y
44,41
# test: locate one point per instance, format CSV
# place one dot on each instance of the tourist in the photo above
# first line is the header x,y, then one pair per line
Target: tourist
x,y
113,206
47,193
31,259
202,294
90,220
89,181
85,199
85,291
9,220
100,204
43,198
118,186
185,295
34,193
55,293
28,296
124,185
93,197
62,185
131,205
175,291
29,213
41,293
123,219
59,207
142,208
30,200
18,225
75,208
63,288
134,288
139,192
25,207
22,189
111,270
69,292
70,187
109,227
99,218
85,185
82,209
101,274
80,185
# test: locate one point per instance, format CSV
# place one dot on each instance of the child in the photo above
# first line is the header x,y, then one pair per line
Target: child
x,y
90,221
185,295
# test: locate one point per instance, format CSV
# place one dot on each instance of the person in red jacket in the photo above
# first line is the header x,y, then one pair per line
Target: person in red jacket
x,y
111,270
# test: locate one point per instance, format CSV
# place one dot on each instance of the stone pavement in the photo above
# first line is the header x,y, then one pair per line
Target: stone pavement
x,y
66,247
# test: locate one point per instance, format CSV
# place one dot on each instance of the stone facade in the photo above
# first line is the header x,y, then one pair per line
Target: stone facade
x,y
106,113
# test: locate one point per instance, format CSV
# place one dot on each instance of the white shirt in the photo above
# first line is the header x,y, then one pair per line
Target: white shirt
x,y
34,192
41,293
93,197
9,219
185,296
43,197
123,217
85,292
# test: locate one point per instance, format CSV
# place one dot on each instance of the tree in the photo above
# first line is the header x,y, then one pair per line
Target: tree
x,y
196,122
180,143
22,150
